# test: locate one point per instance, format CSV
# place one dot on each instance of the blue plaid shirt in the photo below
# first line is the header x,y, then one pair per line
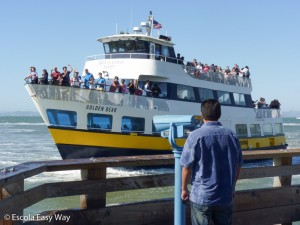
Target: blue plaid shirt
x,y
214,154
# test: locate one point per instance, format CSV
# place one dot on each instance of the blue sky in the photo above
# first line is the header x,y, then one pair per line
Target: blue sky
x,y
265,35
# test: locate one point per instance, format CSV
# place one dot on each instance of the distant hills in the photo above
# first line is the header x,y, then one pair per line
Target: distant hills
x,y
19,113
292,113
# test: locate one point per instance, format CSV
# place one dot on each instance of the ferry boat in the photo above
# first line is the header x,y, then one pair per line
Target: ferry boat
x,y
88,123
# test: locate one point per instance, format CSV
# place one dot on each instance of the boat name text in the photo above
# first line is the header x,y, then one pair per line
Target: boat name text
x,y
110,65
101,108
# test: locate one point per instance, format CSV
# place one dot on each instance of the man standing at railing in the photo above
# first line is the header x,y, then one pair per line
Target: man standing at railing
x,y
211,158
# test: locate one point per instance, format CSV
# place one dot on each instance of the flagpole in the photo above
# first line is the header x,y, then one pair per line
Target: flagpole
x,y
151,25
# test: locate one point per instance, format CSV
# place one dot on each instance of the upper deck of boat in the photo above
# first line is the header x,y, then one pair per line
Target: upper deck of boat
x,y
184,67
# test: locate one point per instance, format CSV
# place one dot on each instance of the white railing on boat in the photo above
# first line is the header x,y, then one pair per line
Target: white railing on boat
x,y
218,77
267,113
97,99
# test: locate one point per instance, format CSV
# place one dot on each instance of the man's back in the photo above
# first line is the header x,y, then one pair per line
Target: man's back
x,y
214,153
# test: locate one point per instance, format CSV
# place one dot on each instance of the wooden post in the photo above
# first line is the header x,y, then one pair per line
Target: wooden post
x,y
93,201
6,192
281,181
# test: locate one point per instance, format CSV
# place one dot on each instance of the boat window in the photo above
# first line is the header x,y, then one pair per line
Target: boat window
x,y
132,124
165,51
278,128
106,48
249,102
157,51
241,130
239,99
162,86
126,46
255,129
62,118
224,98
99,121
185,92
205,94
267,128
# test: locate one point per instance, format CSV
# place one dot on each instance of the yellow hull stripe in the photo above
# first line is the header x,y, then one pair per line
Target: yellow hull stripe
x,y
262,142
135,141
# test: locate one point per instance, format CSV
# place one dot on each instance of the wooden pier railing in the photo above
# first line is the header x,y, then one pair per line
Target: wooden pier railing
x,y
279,204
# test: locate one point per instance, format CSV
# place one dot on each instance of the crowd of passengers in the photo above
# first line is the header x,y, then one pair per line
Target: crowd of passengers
x,y
204,68
262,104
90,82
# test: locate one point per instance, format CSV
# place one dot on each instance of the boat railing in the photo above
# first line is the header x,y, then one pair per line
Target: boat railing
x,y
267,113
217,77
96,99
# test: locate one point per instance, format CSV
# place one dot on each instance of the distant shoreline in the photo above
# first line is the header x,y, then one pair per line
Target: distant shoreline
x,y
286,114
19,113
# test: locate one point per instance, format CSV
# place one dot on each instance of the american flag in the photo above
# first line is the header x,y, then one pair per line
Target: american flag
x,y
156,25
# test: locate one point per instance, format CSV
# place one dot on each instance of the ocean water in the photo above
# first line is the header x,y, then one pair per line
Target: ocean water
x,y
24,139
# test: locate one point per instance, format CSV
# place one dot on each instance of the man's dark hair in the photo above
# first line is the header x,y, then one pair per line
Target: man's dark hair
x,y
211,109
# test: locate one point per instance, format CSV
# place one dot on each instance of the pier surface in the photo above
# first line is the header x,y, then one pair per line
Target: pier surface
x,y
279,204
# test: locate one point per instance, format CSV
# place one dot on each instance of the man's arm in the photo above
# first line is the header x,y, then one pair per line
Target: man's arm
x,y
186,175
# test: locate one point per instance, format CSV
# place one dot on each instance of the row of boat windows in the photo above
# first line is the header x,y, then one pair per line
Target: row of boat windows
x,y
103,122
195,94
95,121
256,130
64,118
138,46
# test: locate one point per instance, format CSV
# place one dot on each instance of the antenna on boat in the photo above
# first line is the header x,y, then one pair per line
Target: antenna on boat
x,y
116,28
151,22
130,19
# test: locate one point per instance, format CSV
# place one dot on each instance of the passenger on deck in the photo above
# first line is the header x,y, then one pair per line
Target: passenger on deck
x,y
130,87
100,82
123,87
236,70
156,91
199,66
206,68
178,58
115,85
245,71
65,76
137,89
147,89
261,104
44,78
88,79
55,76
76,79
227,71
275,104
33,75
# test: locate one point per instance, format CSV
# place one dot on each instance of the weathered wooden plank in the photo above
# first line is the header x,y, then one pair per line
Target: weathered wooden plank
x,y
13,174
268,154
145,213
22,200
266,198
122,161
269,171
281,180
11,190
109,185
267,216
95,200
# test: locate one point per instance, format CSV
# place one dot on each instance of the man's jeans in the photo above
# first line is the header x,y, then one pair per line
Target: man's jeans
x,y
203,215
